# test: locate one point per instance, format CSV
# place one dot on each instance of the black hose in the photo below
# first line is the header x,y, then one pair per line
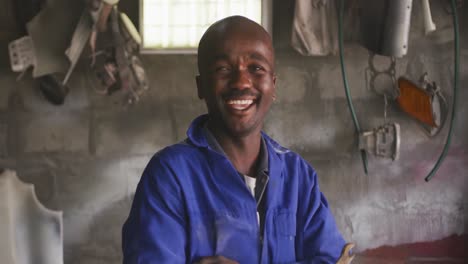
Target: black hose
x,y
345,81
455,91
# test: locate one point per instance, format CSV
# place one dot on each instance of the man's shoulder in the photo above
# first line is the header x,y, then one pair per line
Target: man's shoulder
x,y
174,159
177,151
282,151
291,160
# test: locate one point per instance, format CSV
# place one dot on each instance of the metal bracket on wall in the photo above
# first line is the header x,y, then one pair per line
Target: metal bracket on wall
x,y
374,74
382,142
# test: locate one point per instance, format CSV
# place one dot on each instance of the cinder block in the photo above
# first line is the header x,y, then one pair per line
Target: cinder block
x,y
306,129
3,139
103,243
465,214
461,126
330,81
44,181
337,183
77,226
141,129
106,230
183,113
90,186
57,131
34,100
85,257
93,195
171,76
291,84
133,168
378,221
7,84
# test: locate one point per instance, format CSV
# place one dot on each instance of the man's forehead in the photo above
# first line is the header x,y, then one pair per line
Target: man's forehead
x,y
237,39
254,52
239,34
233,33
254,55
236,22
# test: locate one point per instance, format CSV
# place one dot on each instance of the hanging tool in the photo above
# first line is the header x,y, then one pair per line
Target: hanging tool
x,y
429,25
386,26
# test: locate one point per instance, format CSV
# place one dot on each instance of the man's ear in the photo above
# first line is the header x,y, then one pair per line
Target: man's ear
x,y
199,87
274,87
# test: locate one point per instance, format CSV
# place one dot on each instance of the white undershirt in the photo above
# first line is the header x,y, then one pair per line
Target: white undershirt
x,y
250,182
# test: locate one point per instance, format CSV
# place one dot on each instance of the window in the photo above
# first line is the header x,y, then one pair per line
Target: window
x,y
176,26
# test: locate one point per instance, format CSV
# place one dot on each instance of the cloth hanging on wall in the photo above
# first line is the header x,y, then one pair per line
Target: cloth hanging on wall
x,y
315,28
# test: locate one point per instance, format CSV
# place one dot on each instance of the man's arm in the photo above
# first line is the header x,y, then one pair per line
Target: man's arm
x,y
155,231
319,240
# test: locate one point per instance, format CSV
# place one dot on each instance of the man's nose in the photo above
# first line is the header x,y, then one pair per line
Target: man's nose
x,y
241,79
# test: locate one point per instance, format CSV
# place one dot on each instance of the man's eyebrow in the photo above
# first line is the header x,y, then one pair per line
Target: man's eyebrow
x,y
254,55
260,57
219,57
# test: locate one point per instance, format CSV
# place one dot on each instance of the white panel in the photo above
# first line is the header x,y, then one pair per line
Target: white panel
x,y
180,24
29,232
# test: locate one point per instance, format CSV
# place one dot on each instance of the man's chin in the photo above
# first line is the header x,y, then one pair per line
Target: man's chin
x,y
235,125
238,129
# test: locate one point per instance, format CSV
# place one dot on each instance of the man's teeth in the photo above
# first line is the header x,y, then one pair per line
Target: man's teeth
x,y
240,102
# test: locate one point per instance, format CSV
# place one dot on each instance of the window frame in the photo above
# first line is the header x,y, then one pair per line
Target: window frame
x,y
266,17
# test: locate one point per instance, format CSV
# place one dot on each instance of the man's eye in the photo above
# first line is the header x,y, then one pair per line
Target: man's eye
x,y
256,68
222,69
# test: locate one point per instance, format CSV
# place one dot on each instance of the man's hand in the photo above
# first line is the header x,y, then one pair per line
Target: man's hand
x,y
216,260
346,255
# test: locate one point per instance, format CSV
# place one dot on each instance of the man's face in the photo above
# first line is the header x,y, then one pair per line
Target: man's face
x,y
238,82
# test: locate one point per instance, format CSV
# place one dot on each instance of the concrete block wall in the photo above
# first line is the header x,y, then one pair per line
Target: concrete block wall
x,y
86,156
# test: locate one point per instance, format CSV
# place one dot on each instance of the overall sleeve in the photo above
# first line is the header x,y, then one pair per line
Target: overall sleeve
x,y
155,231
320,239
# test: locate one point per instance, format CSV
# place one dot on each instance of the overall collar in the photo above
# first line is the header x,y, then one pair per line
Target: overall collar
x,y
213,143
271,149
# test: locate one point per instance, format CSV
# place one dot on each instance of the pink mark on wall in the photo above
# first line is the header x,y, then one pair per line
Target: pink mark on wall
x,y
455,164
452,249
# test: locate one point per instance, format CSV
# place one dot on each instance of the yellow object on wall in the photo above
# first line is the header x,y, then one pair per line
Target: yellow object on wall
x,y
416,102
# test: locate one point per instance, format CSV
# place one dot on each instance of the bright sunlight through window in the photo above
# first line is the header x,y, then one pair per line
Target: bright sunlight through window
x,y
178,25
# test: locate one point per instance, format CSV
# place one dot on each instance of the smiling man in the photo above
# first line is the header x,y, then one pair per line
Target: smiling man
x,y
229,193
